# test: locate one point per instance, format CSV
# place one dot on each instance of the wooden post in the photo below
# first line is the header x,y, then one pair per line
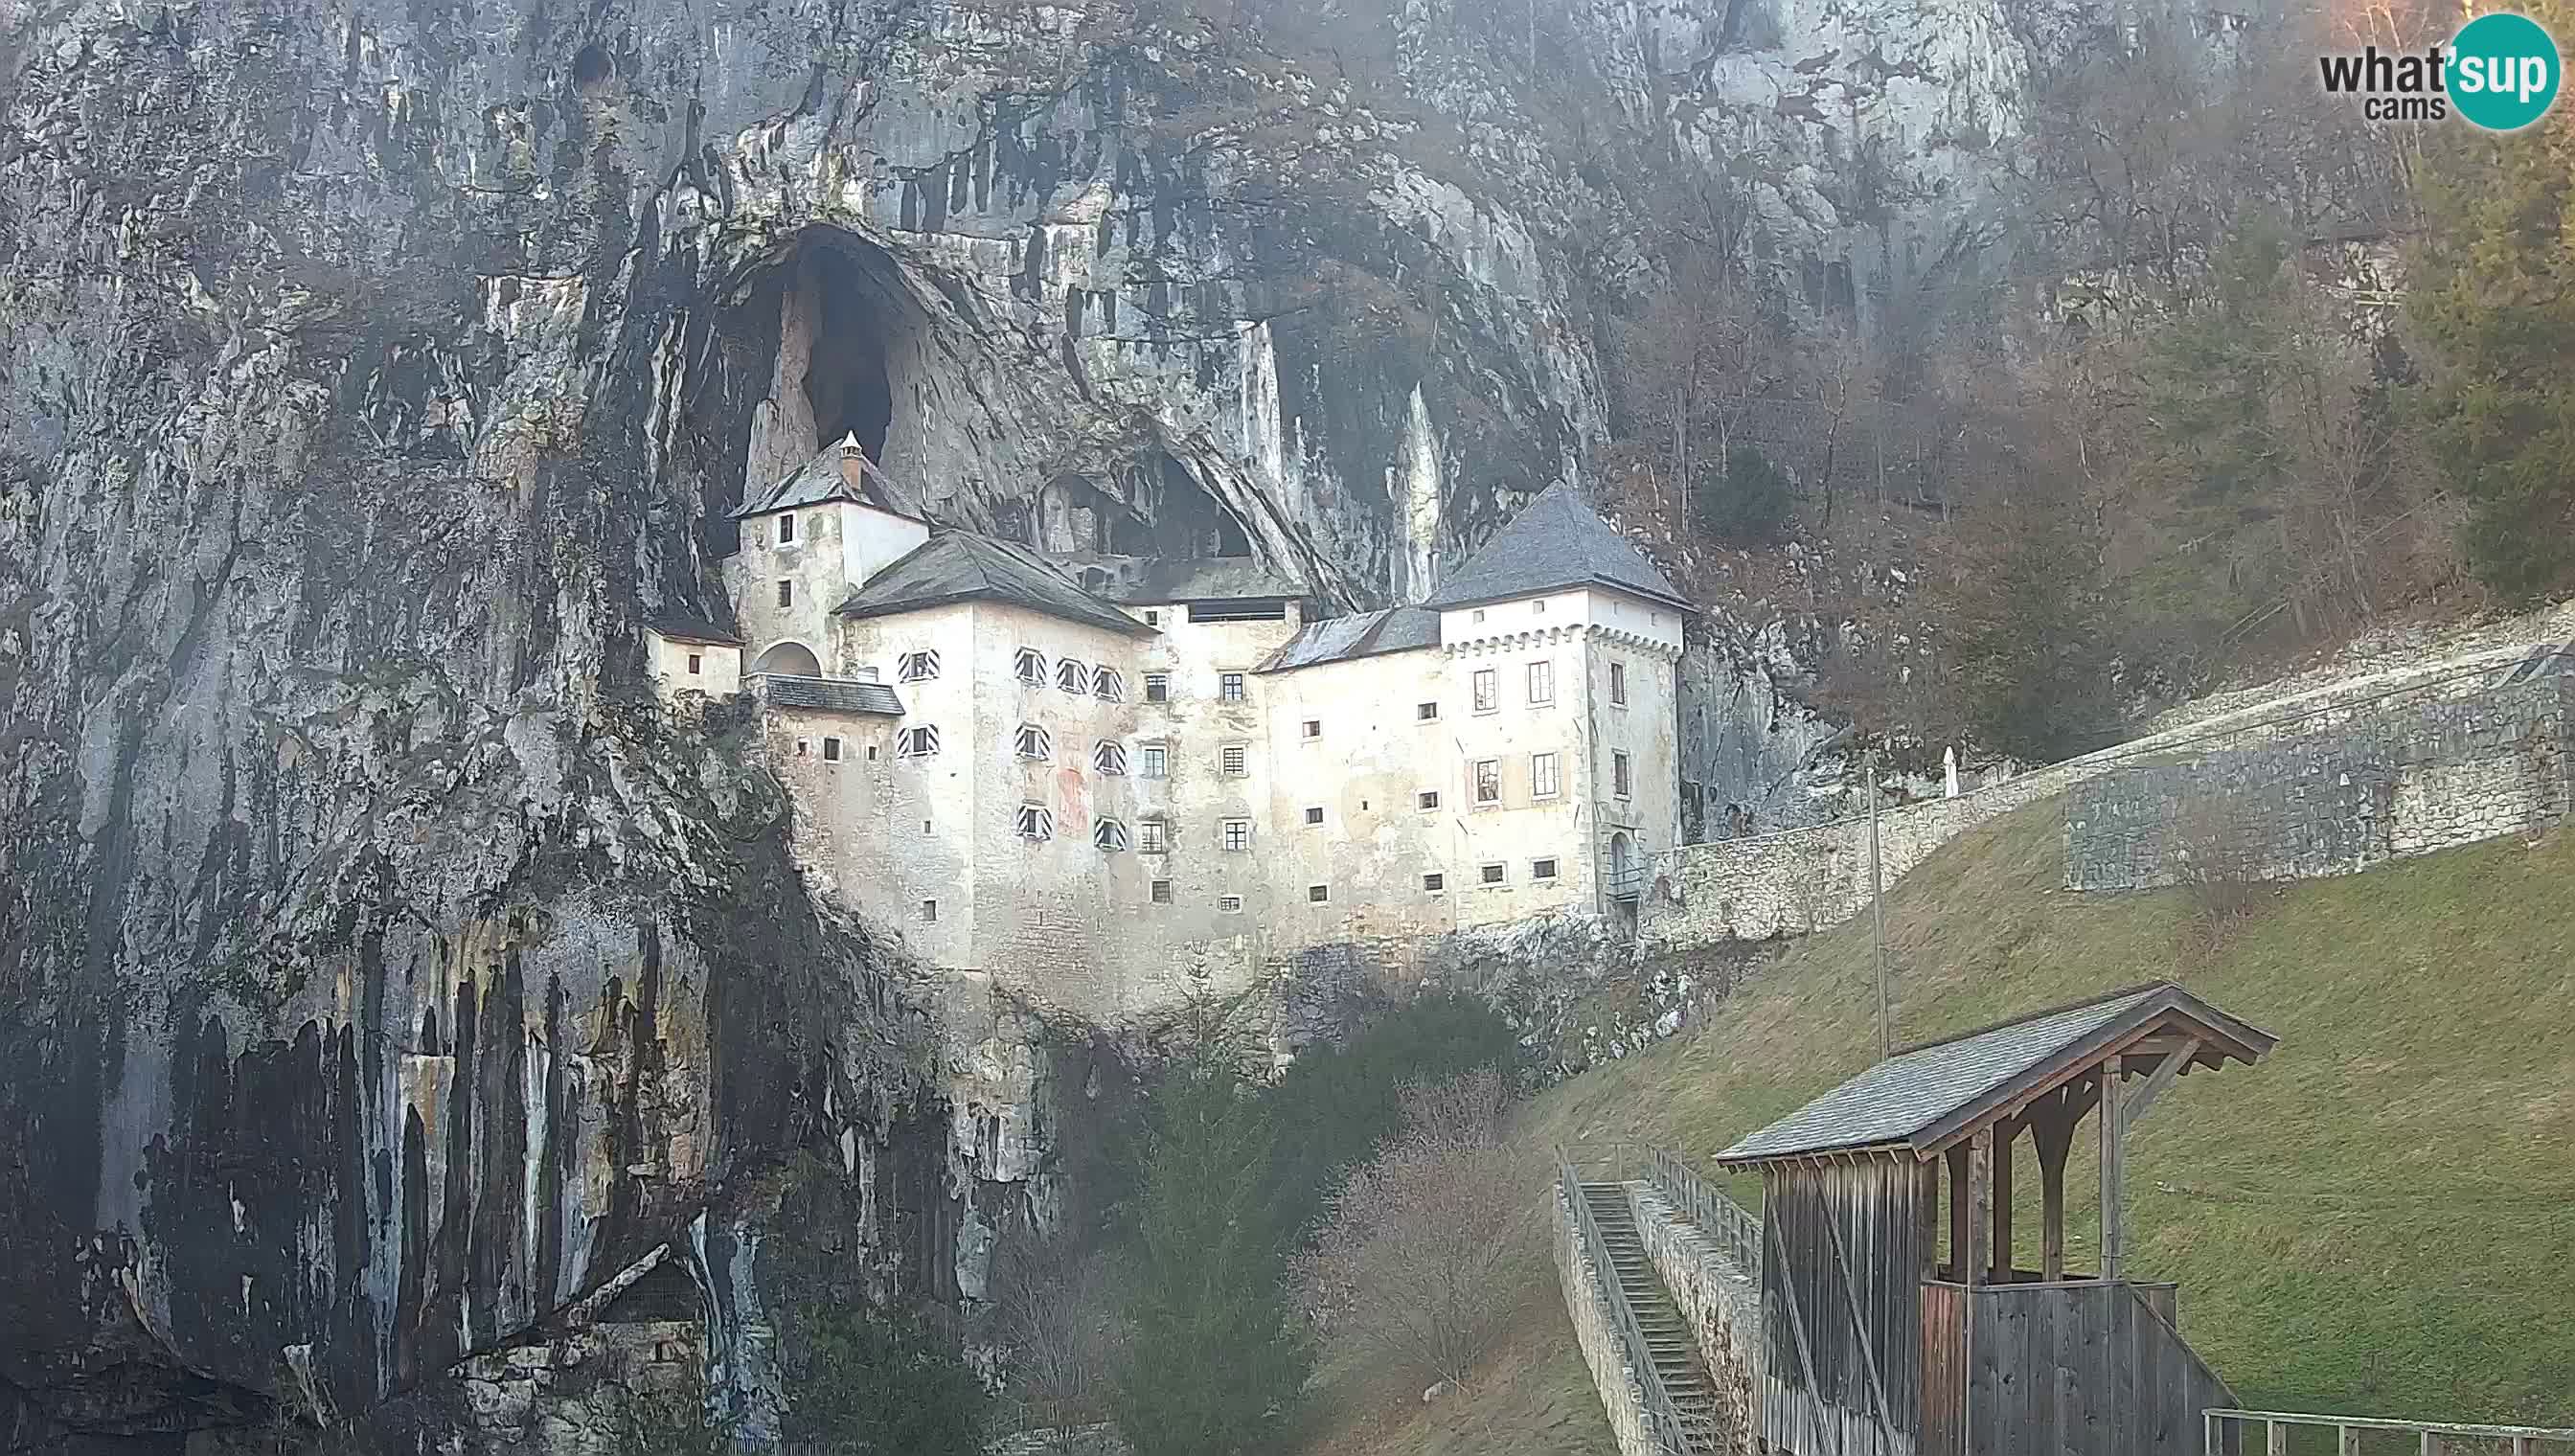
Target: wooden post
x,y
2113,1170
2004,1136
2275,1438
1956,1269
1981,1204
2053,1135
1926,1216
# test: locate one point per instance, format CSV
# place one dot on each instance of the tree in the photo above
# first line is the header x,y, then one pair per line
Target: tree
x,y
1060,1337
2034,662
1213,1364
867,1381
1744,501
1416,1250
1336,1103
2493,295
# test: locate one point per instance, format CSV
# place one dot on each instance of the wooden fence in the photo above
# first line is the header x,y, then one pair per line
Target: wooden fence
x,y
2284,1433
2075,1366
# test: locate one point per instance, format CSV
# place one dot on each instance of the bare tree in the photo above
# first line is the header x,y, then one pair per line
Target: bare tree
x,y
1417,1249
1059,1330
2210,849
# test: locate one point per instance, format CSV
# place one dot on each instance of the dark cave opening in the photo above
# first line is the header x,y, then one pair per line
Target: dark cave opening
x,y
848,382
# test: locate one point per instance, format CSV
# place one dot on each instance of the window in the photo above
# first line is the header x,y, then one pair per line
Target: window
x,y
831,751
1426,711
1238,836
1621,781
1314,814
1490,873
1314,727
1539,608
928,912
1153,617
1157,688
871,752
1228,687
1154,836
1479,613
1109,758
1233,761
1035,743
1158,761
1488,780
1229,905
1618,684
800,748
1542,870
1108,835
1161,891
1542,776
1541,684
1427,799
915,743
1072,677
1030,667
1433,884
696,664
1318,894
1036,822
1108,685
1487,690
916,667
785,593
1264,610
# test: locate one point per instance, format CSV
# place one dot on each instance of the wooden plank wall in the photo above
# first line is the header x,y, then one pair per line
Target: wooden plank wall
x,y
2082,1369
1842,1278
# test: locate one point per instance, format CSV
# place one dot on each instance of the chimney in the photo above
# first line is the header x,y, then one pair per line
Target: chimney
x,y
854,462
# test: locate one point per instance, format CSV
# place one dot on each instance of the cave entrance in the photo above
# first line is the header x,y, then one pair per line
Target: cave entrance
x,y
847,382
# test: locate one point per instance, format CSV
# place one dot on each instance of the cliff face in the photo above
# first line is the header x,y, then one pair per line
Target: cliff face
x,y
381,970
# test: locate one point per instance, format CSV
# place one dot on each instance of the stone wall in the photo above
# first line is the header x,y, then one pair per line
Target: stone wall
x,y
1808,880
2422,776
1721,1301
1596,1331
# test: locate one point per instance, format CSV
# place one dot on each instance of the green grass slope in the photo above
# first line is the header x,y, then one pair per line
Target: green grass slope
x,y
2378,1219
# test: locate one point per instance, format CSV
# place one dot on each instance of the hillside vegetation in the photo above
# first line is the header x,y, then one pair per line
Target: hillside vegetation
x,y
2377,1219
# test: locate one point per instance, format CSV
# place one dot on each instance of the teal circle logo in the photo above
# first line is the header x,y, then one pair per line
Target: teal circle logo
x,y
2502,72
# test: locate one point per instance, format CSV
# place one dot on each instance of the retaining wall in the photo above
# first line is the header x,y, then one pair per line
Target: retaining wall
x,y
1803,880
2421,776
1721,1301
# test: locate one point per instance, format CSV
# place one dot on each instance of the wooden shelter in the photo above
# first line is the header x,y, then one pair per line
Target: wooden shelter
x,y
1875,1343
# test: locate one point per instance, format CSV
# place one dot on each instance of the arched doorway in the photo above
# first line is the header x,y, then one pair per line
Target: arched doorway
x,y
789,658
1623,869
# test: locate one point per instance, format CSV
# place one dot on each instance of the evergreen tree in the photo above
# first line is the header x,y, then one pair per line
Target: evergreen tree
x,y
1212,1366
1746,499
2492,292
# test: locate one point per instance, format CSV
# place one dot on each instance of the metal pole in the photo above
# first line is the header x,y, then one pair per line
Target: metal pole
x,y
1878,908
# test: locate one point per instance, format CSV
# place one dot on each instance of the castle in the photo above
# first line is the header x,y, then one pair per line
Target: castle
x,y
1109,784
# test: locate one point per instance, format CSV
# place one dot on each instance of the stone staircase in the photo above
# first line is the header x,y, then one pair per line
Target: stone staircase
x,y
1677,1363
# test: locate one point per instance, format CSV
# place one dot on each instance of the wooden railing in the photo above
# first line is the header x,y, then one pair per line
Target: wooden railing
x,y
1733,1229
2429,1438
1675,1432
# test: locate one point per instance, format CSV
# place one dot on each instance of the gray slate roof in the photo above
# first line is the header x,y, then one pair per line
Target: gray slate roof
x,y
689,628
1204,579
1554,542
823,480
1365,634
831,695
954,566
1908,1095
